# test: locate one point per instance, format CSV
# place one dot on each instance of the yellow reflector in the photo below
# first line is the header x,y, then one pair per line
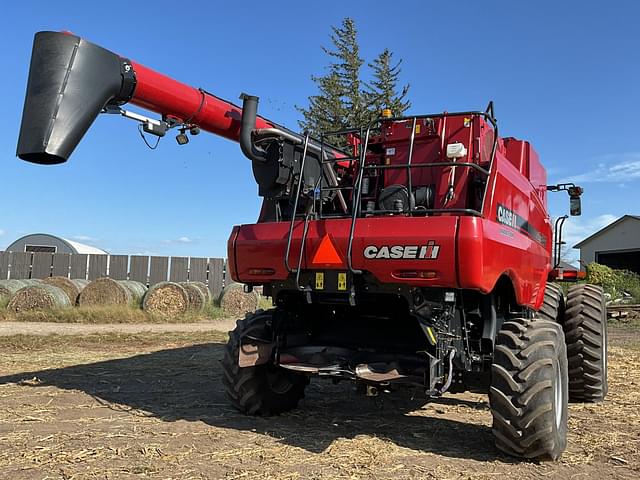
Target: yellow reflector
x,y
342,281
386,113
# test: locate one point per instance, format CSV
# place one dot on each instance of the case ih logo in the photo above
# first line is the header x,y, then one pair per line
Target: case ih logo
x,y
515,221
507,217
405,252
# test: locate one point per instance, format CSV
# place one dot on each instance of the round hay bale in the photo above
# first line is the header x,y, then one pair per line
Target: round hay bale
x,y
235,302
203,288
136,290
166,299
71,287
9,287
38,297
198,295
106,291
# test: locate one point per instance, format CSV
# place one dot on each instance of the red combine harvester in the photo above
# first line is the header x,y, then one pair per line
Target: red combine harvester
x,y
417,258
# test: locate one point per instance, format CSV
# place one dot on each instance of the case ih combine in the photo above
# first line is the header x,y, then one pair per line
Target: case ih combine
x,y
416,258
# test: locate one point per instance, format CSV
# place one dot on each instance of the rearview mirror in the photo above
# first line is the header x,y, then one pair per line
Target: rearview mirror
x,y
575,205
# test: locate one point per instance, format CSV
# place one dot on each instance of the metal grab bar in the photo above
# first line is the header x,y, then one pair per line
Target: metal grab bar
x,y
295,204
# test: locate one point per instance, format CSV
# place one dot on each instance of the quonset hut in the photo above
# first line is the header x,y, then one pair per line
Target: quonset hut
x,y
44,242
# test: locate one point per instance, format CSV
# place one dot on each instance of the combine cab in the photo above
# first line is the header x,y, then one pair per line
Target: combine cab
x,y
415,259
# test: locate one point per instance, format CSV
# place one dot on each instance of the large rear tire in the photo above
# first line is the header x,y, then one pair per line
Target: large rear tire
x,y
528,394
585,330
553,305
263,389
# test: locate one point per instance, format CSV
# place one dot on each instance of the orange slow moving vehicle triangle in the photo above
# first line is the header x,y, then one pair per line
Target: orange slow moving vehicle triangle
x,y
326,254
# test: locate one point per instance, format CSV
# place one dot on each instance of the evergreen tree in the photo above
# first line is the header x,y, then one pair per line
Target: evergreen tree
x,y
343,99
340,102
326,110
382,91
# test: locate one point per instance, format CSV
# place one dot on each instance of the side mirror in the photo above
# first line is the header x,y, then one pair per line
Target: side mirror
x,y
575,205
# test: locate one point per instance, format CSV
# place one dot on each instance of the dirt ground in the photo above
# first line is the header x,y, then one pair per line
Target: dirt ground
x,y
50,328
150,405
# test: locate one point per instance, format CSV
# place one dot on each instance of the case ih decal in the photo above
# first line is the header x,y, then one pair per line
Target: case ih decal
x,y
403,252
512,219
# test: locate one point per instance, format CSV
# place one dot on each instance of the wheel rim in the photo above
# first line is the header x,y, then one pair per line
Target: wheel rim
x,y
278,383
558,396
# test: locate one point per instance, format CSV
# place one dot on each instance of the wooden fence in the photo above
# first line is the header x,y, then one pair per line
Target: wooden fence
x,y
142,268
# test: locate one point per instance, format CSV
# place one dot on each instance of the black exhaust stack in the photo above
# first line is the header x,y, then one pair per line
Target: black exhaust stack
x,y
70,82
247,124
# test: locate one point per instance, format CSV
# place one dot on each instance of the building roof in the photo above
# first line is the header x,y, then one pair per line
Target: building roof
x,y
608,227
83,248
77,247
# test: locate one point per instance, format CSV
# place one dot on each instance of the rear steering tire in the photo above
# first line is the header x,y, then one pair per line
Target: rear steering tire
x,y
553,305
585,329
529,394
263,389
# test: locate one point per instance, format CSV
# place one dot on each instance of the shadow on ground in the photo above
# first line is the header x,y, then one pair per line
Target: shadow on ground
x,y
185,384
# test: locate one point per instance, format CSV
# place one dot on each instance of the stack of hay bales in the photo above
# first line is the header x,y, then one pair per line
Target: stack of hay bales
x,y
37,297
169,299
71,287
106,291
235,302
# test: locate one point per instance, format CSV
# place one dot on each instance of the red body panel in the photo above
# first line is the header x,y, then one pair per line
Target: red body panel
x,y
263,245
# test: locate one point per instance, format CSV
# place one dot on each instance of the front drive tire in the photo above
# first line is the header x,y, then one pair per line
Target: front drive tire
x,y
529,389
585,330
263,389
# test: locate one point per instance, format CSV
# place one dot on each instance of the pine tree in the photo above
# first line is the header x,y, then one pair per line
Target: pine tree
x,y
347,68
382,91
326,110
340,102
343,99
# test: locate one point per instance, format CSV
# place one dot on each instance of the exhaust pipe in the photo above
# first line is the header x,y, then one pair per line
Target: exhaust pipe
x,y
247,124
70,82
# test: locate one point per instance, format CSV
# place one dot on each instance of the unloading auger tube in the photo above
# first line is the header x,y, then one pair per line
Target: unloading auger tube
x,y
72,80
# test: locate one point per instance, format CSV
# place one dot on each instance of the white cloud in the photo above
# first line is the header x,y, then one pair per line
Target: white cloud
x,y
1,232
183,240
613,168
577,229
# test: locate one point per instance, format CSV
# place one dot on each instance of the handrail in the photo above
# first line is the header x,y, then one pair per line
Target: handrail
x,y
295,203
361,157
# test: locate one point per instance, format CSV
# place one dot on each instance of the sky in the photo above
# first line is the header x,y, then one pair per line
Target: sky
x,y
563,75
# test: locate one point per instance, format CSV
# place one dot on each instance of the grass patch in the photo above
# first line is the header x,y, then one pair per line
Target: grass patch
x,y
265,303
4,301
107,314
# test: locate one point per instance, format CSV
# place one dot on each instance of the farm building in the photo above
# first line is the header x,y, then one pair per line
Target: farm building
x,y
44,242
617,245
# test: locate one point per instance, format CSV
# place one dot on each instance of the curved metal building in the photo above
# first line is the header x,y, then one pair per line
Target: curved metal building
x,y
44,242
